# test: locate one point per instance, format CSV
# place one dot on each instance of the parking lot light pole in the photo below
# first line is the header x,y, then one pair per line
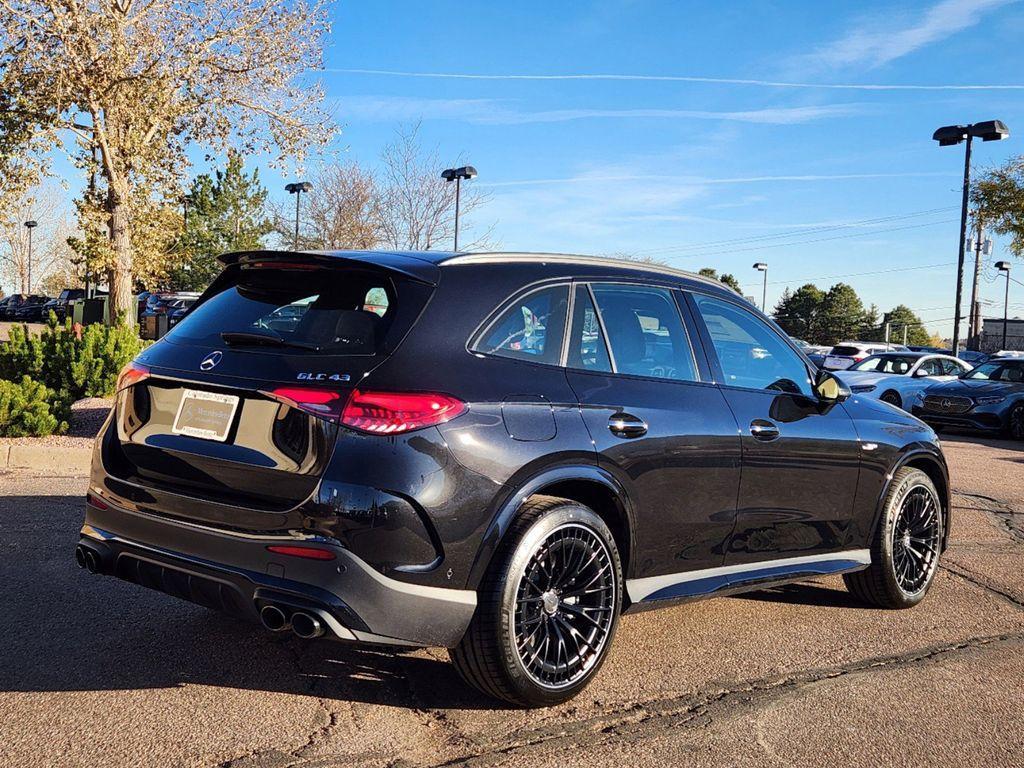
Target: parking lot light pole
x,y
30,225
297,189
947,136
457,175
762,267
1004,266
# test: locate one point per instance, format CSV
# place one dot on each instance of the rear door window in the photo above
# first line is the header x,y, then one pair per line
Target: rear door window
x,y
333,311
531,327
645,331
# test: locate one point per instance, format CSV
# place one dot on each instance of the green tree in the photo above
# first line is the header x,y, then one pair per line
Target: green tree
x,y
226,212
898,318
999,195
842,315
725,278
797,312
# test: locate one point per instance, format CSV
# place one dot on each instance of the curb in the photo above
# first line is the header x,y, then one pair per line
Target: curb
x,y
66,461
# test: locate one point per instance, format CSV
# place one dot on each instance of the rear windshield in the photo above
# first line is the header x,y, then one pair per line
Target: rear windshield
x,y
850,351
333,311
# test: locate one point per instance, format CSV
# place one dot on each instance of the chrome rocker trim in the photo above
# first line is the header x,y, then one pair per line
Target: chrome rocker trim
x,y
709,580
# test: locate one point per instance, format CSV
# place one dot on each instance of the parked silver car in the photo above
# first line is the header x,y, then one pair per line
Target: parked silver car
x,y
897,377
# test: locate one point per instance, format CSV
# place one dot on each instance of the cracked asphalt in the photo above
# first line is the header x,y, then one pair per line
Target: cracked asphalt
x,y
98,672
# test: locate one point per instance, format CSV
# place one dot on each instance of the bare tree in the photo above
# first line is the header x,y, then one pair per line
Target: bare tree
x,y
417,207
50,250
140,81
339,213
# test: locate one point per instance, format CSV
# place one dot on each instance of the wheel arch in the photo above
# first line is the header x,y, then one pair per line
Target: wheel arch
x,y
933,465
585,484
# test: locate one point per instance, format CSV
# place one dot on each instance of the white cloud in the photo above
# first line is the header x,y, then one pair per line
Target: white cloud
x,y
496,112
881,40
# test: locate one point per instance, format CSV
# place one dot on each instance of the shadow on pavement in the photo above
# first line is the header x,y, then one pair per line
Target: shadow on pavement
x,y
69,630
805,594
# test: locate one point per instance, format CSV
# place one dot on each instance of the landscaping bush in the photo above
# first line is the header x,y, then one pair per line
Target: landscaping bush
x,y
25,410
73,362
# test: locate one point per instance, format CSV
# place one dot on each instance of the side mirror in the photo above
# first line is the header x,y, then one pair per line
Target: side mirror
x,y
830,389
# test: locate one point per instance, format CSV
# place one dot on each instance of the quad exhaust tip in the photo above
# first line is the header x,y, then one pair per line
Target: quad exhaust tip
x,y
88,559
306,625
274,619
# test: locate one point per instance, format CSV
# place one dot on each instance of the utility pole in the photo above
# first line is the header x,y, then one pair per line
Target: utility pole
x,y
905,329
30,225
974,329
887,324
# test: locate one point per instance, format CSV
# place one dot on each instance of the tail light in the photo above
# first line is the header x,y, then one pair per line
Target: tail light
x,y
319,402
393,412
382,413
131,374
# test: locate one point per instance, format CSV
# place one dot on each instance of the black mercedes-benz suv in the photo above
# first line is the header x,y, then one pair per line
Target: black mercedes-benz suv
x,y
498,454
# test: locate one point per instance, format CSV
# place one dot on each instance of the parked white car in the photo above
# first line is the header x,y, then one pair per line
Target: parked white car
x,y
897,377
847,353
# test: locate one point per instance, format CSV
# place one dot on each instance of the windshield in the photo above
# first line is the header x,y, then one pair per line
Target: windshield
x,y
332,311
897,364
998,370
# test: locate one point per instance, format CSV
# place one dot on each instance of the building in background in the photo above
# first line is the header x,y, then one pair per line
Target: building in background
x,y
992,334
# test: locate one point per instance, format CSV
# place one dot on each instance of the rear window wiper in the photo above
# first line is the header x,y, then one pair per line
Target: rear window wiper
x,y
243,338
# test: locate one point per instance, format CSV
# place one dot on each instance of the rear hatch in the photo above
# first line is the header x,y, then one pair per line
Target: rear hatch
x,y
238,404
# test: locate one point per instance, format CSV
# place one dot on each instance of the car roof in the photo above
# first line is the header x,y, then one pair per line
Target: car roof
x,y
424,265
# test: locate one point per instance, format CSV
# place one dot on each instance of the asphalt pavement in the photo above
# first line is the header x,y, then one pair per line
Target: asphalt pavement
x,y
99,672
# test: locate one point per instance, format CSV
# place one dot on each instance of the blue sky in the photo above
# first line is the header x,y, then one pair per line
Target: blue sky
x,y
677,159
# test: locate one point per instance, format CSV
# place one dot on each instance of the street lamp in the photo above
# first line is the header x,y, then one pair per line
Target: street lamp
x,y
457,175
947,136
297,189
30,225
762,267
1004,266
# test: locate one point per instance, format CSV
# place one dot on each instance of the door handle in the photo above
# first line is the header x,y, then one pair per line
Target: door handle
x,y
627,425
762,429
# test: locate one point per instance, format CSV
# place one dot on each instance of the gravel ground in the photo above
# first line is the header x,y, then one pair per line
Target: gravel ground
x,y
98,672
87,416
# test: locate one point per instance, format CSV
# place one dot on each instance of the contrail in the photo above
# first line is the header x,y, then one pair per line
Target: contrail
x,y
683,79
696,180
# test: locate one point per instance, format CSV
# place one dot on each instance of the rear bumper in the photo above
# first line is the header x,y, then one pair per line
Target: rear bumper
x,y
236,574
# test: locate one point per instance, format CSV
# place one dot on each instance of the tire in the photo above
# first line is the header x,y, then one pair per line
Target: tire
x,y
1015,422
892,398
898,578
523,610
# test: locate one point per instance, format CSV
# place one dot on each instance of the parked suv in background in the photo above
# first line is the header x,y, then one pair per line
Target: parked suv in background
x,y
497,454
848,353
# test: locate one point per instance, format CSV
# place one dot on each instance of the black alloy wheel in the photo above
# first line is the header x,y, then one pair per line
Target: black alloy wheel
x,y
565,605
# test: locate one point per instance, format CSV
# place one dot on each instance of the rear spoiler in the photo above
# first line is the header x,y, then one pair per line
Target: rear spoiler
x,y
416,269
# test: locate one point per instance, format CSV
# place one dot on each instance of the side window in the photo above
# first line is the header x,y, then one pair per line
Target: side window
x,y
932,367
530,328
587,349
645,332
952,369
751,354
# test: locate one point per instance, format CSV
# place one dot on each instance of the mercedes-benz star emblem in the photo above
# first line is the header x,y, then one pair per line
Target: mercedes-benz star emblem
x,y
211,360
947,404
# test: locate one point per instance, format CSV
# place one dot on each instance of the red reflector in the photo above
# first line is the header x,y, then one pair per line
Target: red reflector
x,y
95,501
319,402
131,374
307,552
392,412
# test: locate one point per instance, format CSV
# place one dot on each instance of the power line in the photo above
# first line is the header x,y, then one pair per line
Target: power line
x,y
825,239
796,232
855,274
